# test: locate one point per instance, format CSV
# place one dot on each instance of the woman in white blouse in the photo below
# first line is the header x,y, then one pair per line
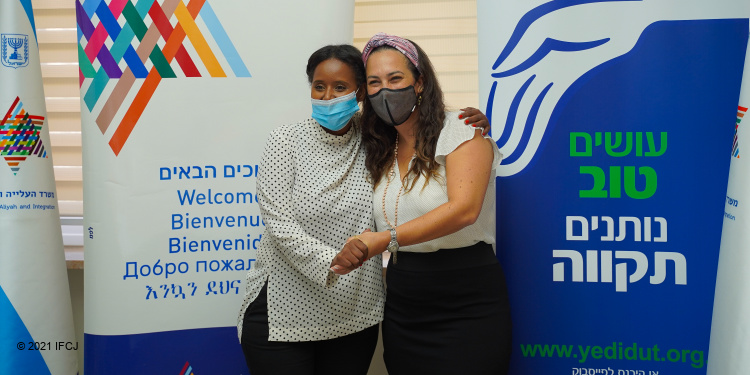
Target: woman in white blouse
x,y
312,187
447,307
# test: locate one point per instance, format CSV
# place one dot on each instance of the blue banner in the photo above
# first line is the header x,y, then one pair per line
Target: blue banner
x,y
611,204
170,352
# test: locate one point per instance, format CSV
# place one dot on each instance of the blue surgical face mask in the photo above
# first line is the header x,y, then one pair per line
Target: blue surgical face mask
x,y
334,114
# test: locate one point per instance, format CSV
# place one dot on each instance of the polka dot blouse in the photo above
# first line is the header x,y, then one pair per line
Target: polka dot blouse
x,y
313,195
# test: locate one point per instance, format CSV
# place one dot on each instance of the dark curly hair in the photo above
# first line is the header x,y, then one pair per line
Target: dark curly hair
x,y
379,139
345,53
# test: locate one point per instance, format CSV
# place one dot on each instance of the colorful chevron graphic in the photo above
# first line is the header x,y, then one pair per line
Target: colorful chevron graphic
x,y
187,369
126,46
735,145
20,136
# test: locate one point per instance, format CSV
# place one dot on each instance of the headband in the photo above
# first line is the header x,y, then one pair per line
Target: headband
x,y
400,44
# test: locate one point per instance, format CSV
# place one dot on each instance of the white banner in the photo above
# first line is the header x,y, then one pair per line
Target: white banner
x,y
37,324
177,100
730,327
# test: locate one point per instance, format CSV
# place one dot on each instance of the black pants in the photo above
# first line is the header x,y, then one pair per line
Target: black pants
x,y
347,355
447,313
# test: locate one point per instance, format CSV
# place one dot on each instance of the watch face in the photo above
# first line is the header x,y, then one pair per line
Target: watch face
x,y
392,246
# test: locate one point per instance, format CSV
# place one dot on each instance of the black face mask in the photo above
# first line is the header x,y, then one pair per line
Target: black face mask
x,y
394,106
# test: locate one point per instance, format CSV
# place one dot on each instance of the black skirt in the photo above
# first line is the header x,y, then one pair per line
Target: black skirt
x,y
447,312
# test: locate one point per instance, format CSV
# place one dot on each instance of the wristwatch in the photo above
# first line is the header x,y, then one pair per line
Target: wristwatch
x,y
393,245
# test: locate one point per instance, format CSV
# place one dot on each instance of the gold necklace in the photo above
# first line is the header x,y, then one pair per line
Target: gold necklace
x,y
391,176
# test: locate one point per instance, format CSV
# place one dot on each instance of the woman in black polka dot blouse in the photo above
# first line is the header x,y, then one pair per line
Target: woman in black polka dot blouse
x,y
297,317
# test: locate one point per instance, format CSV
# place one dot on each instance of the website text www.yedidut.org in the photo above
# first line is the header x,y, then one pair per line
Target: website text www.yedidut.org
x,y
585,354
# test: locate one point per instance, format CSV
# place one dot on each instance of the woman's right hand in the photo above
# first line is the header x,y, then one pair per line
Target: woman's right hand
x,y
351,256
475,118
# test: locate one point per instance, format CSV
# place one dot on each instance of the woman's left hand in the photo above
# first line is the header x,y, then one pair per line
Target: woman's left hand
x,y
474,117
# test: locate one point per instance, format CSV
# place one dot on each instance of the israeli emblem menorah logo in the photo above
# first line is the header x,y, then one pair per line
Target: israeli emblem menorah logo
x,y
14,50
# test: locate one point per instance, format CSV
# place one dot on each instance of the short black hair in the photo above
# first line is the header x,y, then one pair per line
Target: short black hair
x,y
345,53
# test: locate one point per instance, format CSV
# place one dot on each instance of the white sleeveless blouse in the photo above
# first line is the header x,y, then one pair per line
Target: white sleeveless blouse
x,y
419,201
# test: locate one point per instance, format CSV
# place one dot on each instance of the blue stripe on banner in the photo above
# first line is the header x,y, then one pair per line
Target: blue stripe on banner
x,y
108,20
90,6
123,49
526,135
14,335
135,64
143,6
512,112
122,42
207,350
30,13
95,90
222,39
17,110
